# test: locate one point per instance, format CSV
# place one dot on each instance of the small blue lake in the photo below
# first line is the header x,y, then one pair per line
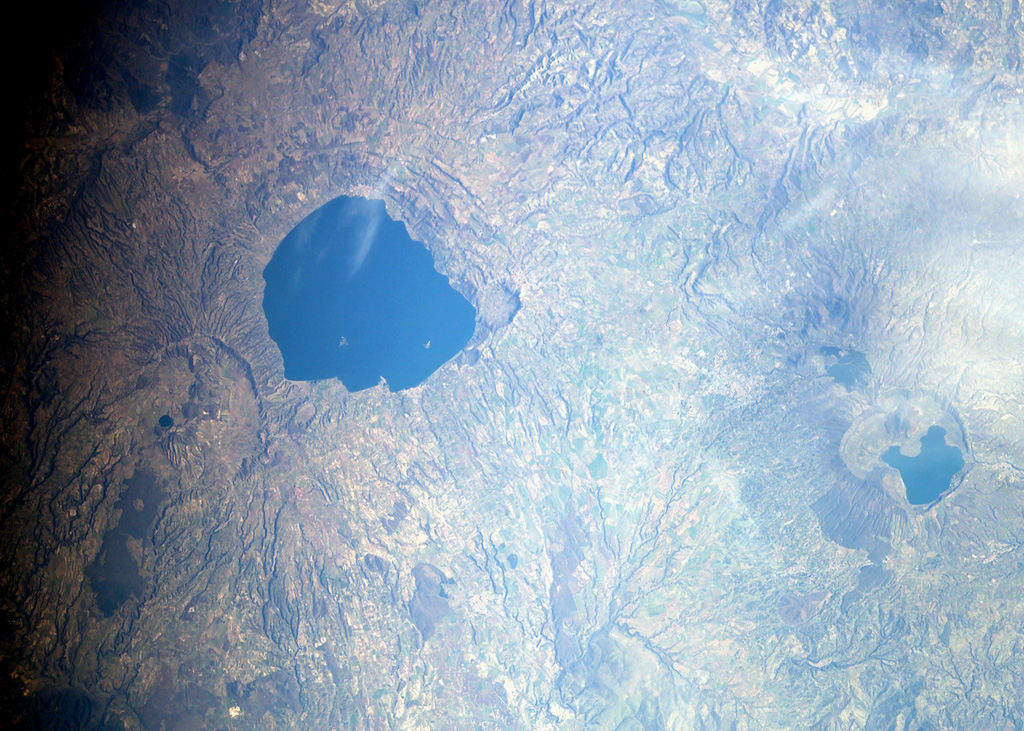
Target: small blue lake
x,y
850,369
929,474
350,295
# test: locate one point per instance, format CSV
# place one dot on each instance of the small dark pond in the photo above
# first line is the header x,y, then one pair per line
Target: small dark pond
x,y
850,369
166,421
350,295
927,475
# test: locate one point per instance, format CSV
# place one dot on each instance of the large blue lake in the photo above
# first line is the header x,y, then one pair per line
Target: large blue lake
x,y
350,295
928,474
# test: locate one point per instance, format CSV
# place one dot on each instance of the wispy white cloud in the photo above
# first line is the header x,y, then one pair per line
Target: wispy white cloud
x,y
369,235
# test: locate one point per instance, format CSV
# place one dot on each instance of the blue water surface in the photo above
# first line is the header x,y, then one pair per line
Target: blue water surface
x,y
350,295
927,475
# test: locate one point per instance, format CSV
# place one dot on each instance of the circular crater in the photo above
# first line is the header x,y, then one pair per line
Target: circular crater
x,y
908,443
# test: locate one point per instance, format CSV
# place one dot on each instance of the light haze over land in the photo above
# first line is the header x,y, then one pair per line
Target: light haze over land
x,y
724,257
